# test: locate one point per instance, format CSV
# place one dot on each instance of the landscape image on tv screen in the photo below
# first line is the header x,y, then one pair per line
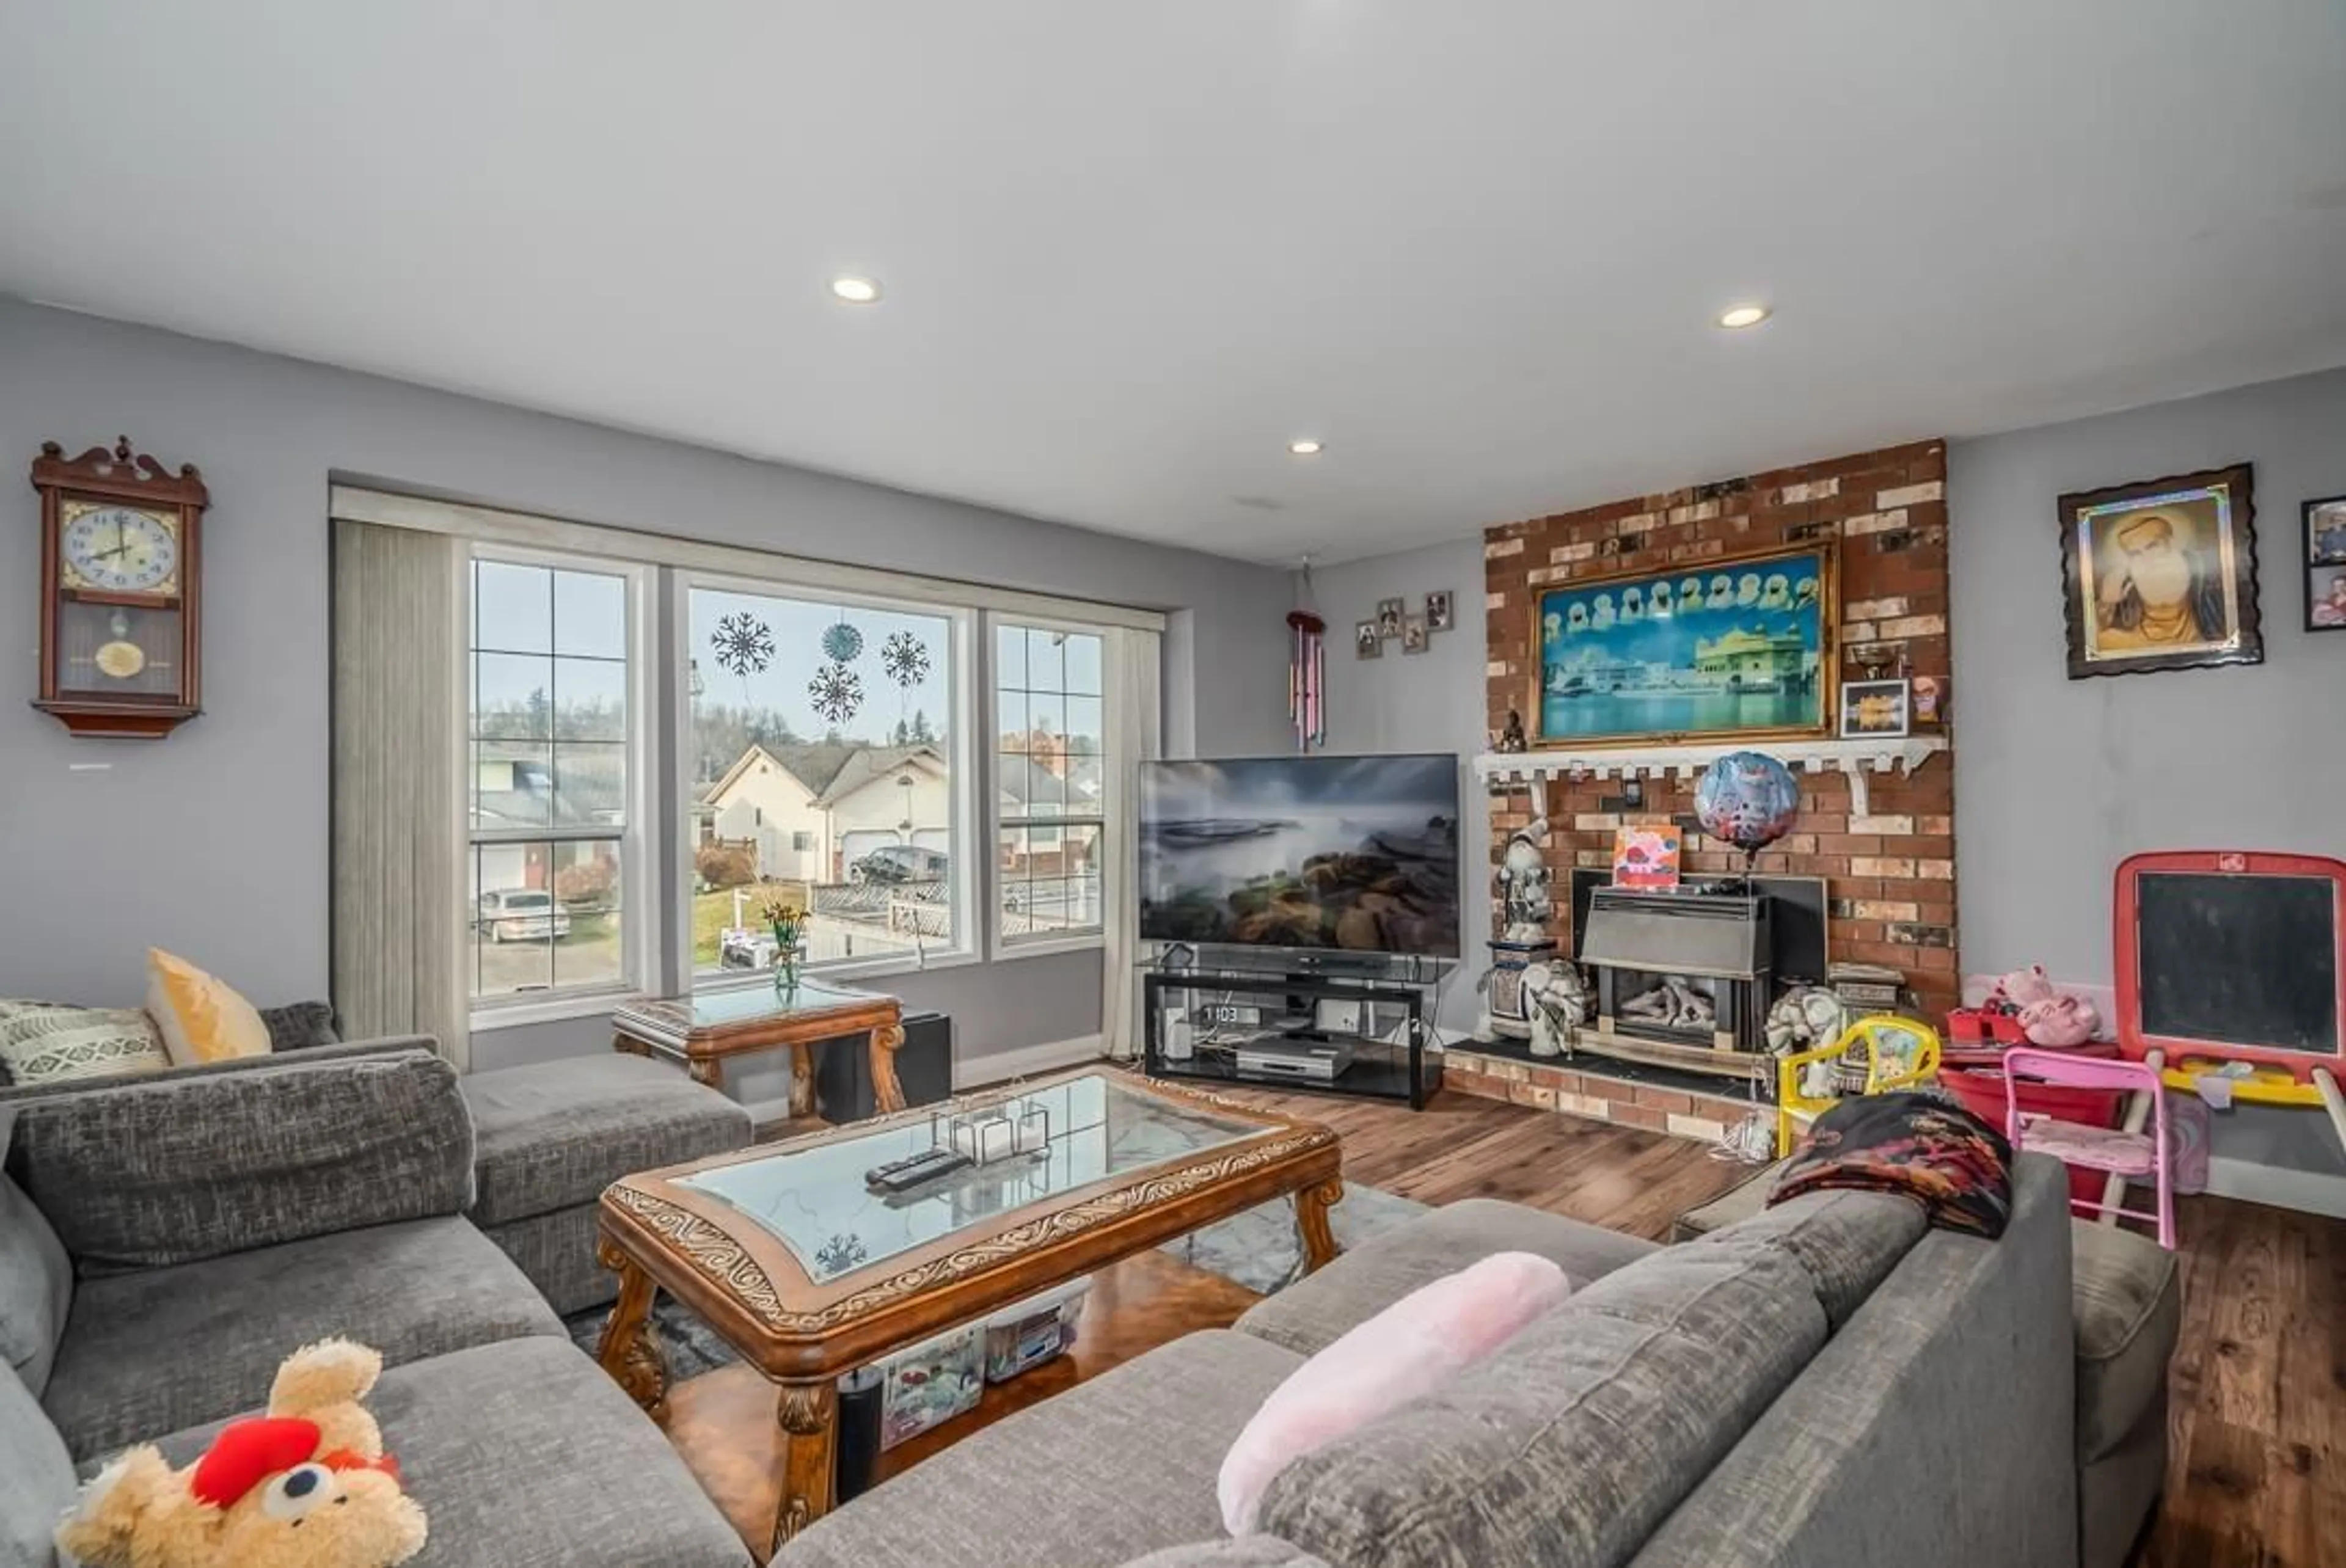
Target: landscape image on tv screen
x,y
1358,853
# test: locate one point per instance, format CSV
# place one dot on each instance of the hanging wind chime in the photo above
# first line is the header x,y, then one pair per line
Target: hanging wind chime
x,y
1307,671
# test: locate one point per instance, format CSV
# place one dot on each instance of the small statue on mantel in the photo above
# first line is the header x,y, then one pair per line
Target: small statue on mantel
x,y
1511,739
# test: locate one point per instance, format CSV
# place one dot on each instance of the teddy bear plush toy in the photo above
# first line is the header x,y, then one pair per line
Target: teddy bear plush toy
x,y
306,1486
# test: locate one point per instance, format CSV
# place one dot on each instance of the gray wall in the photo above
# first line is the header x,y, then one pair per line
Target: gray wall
x,y
1431,701
2057,780
213,843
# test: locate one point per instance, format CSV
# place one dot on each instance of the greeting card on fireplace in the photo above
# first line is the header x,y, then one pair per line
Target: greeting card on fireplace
x,y
1645,855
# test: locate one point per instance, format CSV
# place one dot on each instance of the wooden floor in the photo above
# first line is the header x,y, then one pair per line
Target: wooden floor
x,y
2257,1405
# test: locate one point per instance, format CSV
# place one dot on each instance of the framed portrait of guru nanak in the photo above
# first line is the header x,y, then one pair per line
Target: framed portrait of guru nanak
x,y
2161,575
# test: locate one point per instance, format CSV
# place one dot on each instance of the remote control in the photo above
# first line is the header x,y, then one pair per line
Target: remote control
x,y
898,1175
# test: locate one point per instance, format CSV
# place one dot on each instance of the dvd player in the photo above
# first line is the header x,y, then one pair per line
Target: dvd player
x,y
1314,1061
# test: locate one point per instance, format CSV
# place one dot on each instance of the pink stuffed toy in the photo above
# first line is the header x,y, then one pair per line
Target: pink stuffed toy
x,y
2023,989
2047,1016
2060,1021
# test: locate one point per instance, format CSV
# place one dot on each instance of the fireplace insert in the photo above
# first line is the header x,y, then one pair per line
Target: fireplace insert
x,y
1683,979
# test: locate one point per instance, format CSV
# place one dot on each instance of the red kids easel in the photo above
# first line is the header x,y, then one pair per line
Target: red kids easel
x,y
2229,957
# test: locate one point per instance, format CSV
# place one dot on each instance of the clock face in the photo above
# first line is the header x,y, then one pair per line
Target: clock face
x,y
122,549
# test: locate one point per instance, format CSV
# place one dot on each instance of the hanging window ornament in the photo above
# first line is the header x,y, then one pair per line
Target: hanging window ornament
x,y
904,659
836,692
743,645
842,643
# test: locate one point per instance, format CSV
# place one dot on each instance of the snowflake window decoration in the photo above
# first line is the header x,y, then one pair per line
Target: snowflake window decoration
x,y
836,692
842,643
904,659
743,646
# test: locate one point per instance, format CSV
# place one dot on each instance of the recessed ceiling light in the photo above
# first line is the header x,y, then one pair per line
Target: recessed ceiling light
x,y
1744,316
856,290
1305,447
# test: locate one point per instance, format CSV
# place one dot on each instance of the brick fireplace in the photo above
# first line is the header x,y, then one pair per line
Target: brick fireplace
x,y
1890,869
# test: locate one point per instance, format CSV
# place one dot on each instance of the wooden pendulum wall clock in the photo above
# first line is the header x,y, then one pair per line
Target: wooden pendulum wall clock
x,y
120,649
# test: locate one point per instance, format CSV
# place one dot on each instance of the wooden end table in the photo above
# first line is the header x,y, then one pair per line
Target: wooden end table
x,y
807,1275
703,1030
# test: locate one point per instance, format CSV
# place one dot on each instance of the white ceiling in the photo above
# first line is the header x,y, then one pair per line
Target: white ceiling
x,y
1132,246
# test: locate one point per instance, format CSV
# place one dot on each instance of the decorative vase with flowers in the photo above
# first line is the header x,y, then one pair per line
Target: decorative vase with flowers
x,y
789,922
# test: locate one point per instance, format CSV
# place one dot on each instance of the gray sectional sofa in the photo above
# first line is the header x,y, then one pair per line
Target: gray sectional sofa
x,y
165,1242
1827,1384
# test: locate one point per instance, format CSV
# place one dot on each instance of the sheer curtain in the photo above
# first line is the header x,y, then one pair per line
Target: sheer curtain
x,y
1135,724
397,881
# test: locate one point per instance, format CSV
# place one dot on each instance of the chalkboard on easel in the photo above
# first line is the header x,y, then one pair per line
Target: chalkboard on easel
x,y
2249,961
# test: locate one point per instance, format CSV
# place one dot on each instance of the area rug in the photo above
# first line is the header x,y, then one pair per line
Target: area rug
x,y
1259,1249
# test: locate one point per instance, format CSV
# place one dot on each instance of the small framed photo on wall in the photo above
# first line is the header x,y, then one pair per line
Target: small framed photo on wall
x,y
1876,710
1438,610
1389,617
2325,564
1367,641
1412,634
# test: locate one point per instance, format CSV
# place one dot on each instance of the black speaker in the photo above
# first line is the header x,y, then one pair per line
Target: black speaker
x,y
843,1069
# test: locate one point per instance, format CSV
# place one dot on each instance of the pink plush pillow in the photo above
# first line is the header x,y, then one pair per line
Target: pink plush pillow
x,y
1411,1349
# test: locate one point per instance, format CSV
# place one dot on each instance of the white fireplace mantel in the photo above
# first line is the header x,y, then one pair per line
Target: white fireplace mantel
x,y
1860,759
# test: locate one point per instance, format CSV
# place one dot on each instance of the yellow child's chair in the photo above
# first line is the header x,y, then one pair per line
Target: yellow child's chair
x,y
1888,1050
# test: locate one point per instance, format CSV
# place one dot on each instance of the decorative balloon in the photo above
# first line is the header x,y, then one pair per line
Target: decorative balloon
x,y
1748,799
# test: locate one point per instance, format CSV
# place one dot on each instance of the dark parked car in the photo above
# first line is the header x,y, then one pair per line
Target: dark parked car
x,y
900,863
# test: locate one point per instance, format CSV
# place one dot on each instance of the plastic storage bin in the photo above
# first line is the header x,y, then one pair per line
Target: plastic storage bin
x,y
932,1381
1034,1331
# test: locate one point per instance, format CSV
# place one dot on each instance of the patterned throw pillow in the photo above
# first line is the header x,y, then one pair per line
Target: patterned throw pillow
x,y
49,1042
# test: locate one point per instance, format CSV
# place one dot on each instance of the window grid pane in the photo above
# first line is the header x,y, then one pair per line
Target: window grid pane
x,y
548,760
1050,734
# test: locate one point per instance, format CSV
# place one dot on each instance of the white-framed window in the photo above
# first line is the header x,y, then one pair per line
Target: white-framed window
x,y
1050,764
825,748
555,723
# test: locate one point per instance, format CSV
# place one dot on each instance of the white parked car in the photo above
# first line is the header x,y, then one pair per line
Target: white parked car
x,y
523,914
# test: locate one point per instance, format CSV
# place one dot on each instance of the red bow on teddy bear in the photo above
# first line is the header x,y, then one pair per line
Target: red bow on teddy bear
x,y
249,1452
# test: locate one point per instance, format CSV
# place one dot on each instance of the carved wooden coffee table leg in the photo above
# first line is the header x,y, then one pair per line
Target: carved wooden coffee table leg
x,y
706,1071
809,1413
630,1351
1311,1207
628,1045
887,1094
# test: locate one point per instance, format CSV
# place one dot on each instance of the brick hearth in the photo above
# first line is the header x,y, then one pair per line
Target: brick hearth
x,y
1585,1088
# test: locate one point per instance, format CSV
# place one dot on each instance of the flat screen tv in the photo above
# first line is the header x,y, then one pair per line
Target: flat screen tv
x,y
1350,853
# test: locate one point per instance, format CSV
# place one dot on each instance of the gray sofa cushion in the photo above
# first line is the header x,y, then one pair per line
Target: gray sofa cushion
x,y
35,1279
2128,1310
554,1135
37,1478
525,1454
300,1025
1311,1314
1112,1468
229,1161
1848,1241
167,1348
1571,1443
557,1252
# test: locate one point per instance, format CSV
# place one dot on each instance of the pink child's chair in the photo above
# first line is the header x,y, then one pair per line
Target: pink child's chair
x,y
2130,1155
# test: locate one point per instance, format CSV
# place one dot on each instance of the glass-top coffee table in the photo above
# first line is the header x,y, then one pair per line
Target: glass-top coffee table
x,y
704,1028
807,1274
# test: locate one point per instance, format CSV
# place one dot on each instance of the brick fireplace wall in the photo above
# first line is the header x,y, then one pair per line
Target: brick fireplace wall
x,y
1891,872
